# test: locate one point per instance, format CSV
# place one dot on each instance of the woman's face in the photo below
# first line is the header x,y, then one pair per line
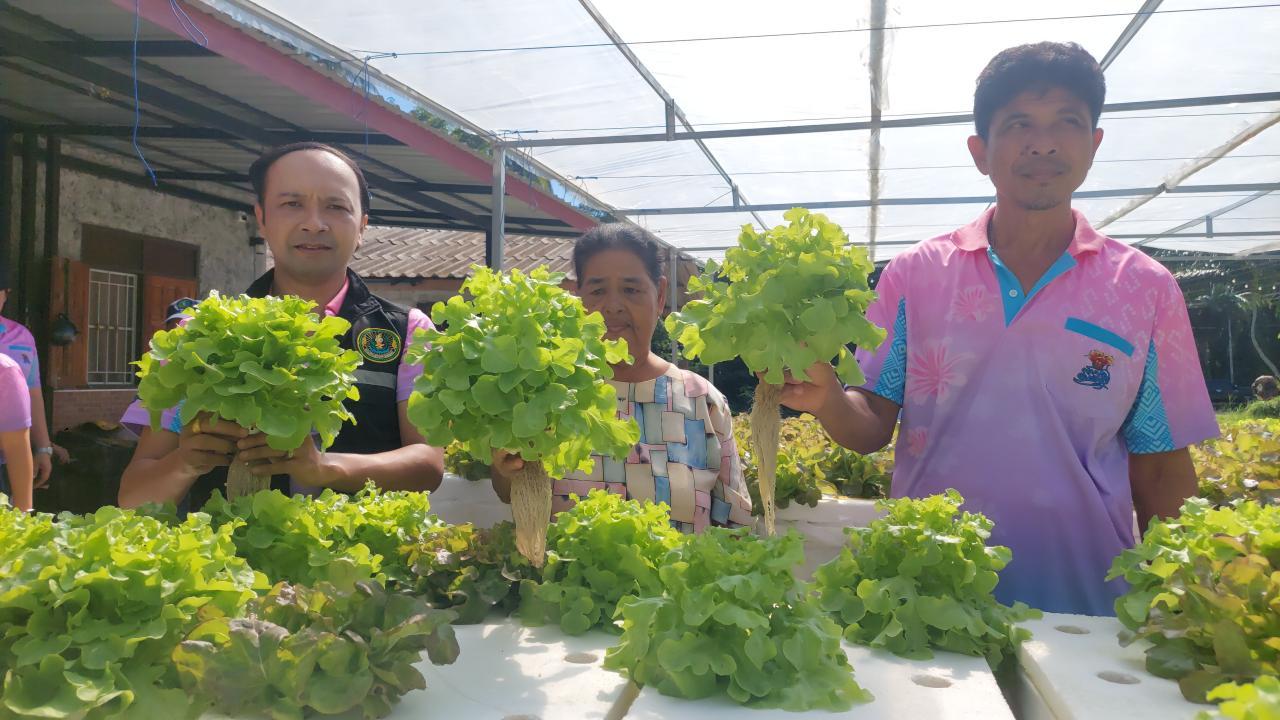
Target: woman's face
x,y
615,284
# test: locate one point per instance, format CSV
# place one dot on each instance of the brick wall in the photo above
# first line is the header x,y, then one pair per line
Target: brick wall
x,y
72,407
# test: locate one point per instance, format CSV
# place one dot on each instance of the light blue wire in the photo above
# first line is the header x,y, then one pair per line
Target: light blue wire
x,y
364,80
193,31
137,102
188,24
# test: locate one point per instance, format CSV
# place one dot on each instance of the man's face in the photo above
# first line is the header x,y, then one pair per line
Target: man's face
x,y
1039,148
311,215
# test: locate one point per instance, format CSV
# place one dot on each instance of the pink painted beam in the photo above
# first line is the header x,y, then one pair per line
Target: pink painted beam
x,y
238,46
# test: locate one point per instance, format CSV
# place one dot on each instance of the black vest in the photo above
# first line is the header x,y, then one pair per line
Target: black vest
x,y
377,332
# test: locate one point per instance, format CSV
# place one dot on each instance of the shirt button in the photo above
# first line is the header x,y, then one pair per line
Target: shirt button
x,y
1013,293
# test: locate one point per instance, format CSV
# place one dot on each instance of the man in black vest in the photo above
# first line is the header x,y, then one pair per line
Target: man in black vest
x,y
312,207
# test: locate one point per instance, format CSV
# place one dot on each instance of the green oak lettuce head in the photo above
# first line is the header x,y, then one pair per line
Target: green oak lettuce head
x,y
922,577
521,366
267,364
795,295
1204,594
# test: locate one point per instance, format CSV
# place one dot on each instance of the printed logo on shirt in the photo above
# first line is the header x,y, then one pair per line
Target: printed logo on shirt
x,y
378,345
1097,374
22,354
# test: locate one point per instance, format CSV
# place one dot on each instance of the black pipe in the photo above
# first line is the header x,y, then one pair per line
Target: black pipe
x,y
7,254
41,321
22,279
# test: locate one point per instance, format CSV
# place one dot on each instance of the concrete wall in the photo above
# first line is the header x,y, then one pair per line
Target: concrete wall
x,y
226,259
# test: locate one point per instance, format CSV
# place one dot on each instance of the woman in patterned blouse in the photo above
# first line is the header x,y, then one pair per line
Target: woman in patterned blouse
x,y
686,456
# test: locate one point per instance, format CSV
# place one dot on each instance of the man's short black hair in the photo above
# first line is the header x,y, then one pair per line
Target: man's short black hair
x,y
1038,66
619,236
258,170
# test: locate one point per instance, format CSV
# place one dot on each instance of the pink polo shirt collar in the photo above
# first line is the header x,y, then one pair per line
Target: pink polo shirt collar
x,y
973,236
334,306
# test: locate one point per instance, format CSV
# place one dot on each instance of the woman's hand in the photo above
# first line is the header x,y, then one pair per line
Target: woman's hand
x,y
44,464
505,466
507,463
43,469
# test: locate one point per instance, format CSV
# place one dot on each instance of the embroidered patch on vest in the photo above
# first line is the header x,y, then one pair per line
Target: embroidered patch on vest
x,y
378,345
1097,374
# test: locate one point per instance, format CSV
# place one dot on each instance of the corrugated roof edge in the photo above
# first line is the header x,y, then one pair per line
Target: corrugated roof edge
x,y
343,66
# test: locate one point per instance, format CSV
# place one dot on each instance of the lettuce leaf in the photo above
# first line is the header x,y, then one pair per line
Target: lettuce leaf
x,y
267,364
603,548
522,367
318,649
921,578
732,618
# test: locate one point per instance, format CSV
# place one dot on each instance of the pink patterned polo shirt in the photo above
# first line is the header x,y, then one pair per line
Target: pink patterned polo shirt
x,y
1029,404
15,403
17,343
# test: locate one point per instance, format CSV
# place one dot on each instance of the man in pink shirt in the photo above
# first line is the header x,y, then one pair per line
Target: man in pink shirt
x,y
1044,370
312,206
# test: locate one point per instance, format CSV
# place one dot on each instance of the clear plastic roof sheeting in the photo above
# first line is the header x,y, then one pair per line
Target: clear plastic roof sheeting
x,y
550,69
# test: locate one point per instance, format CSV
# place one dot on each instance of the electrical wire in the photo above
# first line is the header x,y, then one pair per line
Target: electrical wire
x,y
813,33
137,100
884,169
852,118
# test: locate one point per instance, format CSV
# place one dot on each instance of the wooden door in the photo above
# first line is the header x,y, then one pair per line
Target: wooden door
x,y
157,292
69,294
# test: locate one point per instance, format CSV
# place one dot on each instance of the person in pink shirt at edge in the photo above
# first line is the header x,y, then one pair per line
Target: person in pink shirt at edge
x,y
1044,370
16,342
15,432
312,206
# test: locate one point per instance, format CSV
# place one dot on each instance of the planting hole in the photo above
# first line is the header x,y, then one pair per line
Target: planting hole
x,y
1071,630
1118,678
931,681
583,658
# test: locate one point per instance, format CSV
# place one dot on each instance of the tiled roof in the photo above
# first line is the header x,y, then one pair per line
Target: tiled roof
x,y
391,252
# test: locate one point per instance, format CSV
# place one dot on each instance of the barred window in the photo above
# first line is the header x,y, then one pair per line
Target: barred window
x,y
113,327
